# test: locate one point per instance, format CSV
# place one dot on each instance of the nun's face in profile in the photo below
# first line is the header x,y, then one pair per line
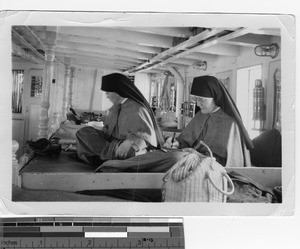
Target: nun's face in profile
x,y
207,105
114,97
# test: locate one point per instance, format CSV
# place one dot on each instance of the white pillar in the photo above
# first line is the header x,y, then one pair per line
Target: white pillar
x,y
179,95
16,179
66,92
55,122
71,84
187,89
47,79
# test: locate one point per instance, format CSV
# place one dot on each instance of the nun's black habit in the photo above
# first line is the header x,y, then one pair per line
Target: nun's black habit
x,y
132,120
222,130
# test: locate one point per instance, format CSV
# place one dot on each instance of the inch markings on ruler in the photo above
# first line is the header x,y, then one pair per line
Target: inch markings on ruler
x,y
90,233
115,243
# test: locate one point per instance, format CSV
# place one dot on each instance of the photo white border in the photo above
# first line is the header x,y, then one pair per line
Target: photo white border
x,y
158,19
208,232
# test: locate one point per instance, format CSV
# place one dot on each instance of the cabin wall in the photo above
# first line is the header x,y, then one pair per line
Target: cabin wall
x,y
230,65
84,89
106,104
98,95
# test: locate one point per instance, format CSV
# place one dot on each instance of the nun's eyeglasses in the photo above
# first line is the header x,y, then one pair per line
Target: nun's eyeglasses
x,y
200,99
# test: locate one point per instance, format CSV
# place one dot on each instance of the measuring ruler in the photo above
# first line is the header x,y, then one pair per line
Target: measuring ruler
x,y
91,232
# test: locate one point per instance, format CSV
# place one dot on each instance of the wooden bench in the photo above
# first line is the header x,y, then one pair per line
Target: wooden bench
x,y
64,174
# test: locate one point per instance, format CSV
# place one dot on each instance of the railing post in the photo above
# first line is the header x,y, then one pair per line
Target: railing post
x,y
179,95
66,90
15,165
47,79
55,122
72,80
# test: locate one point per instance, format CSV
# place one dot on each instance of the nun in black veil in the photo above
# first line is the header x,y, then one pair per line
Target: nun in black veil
x,y
130,128
218,124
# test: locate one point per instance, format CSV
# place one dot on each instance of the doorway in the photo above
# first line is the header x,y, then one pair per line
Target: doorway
x,y
32,102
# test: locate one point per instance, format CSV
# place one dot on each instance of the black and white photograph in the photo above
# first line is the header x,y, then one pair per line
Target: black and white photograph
x,y
155,109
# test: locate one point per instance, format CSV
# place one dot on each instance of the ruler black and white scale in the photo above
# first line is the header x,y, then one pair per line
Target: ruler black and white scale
x,y
91,232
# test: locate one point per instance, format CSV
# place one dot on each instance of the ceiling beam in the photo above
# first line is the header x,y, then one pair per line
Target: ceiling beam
x,y
104,42
241,44
157,71
222,49
21,40
99,61
181,47
201,56
184,32
70,52
268,31
203,46
92,66
120,35
17,50
29,36
184,61
90,58
100,49
76,45
250,40
190,61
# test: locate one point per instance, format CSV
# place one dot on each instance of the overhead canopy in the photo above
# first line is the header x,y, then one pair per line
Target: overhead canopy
x,y
135,49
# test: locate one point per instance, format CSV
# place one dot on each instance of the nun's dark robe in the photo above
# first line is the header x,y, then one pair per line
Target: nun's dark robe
x,y
220,132
217,130
129,120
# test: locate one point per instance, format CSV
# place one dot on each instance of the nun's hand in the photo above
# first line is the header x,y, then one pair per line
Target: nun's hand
x,y
168,143
171,143
175,144
124,150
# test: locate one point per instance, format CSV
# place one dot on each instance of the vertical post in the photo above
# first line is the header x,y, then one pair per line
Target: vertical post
x,y
187,89
55,122
179,95
159,83
66,90
16,167
187,116
47,79
71,84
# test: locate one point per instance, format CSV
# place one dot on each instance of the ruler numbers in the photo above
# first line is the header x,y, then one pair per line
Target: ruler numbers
x,y
80,243
61,242
27,242
61,233
148,242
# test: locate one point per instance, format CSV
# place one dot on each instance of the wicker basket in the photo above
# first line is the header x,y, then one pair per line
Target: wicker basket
x,y
197,178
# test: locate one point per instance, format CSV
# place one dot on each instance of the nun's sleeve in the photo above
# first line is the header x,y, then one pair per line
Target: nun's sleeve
x,y
140,129
191,132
